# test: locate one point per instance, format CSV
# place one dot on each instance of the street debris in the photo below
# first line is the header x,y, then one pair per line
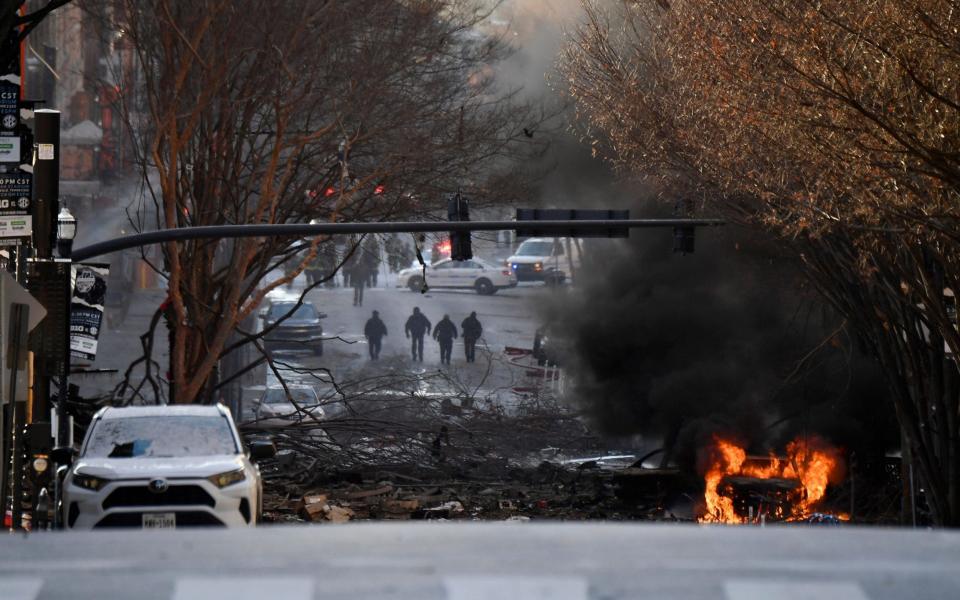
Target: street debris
x,y
456,457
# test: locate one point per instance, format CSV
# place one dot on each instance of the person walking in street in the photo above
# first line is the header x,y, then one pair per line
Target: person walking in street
x,y
349,255
417,326
375,331
371,260
445,332
358,279
392,248
472,330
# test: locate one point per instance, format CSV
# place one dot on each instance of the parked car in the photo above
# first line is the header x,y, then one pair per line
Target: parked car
x,y
470,274
275,409
163,467
293,326
543,259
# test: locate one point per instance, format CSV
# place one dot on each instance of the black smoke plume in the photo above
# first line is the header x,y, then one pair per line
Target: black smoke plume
x,y
728,340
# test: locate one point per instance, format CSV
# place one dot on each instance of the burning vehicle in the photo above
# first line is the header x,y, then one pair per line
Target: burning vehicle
x,y
754,489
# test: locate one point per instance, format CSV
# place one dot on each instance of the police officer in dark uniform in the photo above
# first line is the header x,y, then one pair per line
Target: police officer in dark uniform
x,y
417,326
472,330
374,330
445,332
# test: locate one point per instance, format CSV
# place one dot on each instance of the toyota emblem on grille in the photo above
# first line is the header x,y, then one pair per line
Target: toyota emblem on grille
x,y
158,486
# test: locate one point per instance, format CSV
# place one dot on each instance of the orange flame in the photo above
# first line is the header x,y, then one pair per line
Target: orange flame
x,y
810,461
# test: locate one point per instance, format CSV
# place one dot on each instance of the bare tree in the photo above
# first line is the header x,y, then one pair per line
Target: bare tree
x,y
836,126
285,112
17,16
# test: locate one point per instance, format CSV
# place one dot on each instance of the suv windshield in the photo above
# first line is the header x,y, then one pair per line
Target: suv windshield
x,y
300,396
305,311
161,436
535,249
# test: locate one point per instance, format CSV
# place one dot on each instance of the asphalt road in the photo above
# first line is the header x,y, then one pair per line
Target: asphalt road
x,y
522,561
509,318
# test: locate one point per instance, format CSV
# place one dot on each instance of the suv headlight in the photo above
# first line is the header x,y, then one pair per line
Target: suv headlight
x,y
222,480
89,482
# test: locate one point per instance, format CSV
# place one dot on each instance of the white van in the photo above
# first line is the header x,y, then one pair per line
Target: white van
x,y
551,260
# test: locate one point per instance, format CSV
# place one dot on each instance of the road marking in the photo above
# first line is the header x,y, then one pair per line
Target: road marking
x,y
771,589
20,588
515,588
243,588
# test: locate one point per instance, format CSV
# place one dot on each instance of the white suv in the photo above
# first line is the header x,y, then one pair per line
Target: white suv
x,y
164,467
544,259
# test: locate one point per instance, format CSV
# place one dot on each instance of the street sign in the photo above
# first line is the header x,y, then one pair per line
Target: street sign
x,y
12,293
16,222
10,149
9,120
529,216
9,106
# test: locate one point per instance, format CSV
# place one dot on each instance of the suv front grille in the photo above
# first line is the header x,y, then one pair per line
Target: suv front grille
x,y
195,518
525,271
176,495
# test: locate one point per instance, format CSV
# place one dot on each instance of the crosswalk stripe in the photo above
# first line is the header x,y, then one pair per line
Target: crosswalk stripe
x,y
765,589
515,588
20,588
244,588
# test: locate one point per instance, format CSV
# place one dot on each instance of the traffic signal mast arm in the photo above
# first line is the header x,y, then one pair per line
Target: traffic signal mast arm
x,y
560,227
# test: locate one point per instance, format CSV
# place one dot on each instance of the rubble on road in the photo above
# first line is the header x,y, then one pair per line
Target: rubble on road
x,y
550,490
422,460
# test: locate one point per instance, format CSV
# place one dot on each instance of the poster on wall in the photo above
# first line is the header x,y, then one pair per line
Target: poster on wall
x,y
86,309
16,224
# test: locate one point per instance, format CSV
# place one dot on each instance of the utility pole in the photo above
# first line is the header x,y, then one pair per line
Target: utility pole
x,y
48,279
46,191
46,173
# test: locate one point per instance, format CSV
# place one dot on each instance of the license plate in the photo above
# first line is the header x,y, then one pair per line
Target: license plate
x,y
159,520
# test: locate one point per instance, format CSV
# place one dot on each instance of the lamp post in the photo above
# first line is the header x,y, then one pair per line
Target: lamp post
x,y
66,232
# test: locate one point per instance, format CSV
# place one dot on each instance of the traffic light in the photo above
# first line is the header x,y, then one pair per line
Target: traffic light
x,y
683,239
459,210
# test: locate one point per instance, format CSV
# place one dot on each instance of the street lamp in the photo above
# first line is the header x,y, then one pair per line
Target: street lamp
x,y
66,232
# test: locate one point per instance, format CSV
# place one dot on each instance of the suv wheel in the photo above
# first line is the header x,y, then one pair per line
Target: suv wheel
x,y
415,283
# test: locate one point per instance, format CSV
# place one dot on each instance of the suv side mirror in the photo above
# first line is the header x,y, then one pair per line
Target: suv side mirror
x,y
262,449
262,313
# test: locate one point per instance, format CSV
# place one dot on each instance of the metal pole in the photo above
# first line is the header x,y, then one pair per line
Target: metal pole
x,y
46,180
44,208
63,433
305,229
19,317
